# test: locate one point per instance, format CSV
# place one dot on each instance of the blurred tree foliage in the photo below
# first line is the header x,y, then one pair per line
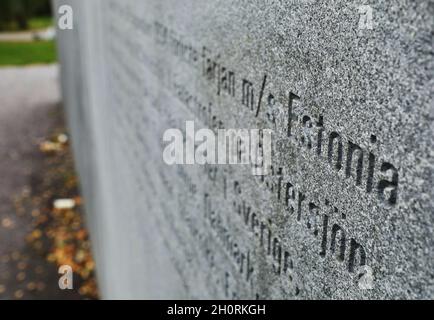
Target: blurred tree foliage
x,y
18,12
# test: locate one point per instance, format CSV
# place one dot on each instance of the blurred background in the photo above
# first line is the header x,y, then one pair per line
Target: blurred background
x,y
42,224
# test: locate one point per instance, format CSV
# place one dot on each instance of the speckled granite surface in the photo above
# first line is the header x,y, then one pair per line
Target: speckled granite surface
x,y
348,211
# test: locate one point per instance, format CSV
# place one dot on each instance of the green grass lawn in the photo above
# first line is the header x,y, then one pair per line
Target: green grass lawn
x,y
40,23
35,23
25,53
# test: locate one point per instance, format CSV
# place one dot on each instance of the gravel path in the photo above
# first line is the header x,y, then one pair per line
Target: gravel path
x,y
29,110
17,36
26,36
27,97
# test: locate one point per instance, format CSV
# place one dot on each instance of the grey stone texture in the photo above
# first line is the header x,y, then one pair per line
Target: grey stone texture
x,y
346,87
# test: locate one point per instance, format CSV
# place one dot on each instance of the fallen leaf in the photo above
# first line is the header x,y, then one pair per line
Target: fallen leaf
x,y
7,223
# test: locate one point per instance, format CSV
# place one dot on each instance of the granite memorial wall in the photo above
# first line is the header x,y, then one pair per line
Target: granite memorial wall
x,y
346,209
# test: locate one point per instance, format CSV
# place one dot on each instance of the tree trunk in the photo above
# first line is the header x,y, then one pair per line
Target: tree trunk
x,y
22,22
